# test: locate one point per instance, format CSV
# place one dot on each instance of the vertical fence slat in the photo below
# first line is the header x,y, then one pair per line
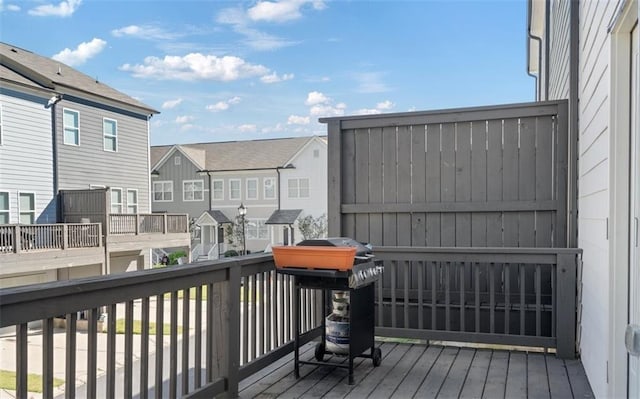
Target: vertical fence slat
x,y
406,270
254,328
186,300
159,345
522,299
245,320
476,273
47,358
394,286
421,266
144,348
197,355
173,345
22,361
434,298
462,267
492,298
128,350
92,353
70,356
538,300
111,350
447,296
507,297
281,310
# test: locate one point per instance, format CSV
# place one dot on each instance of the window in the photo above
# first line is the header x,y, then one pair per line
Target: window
x,y
234,189
116,200
132,201
252,188
269,188
27,206
218,190
110,133
71,127
298,188
316,153
163,191
4,208
177,160
257,230
193,190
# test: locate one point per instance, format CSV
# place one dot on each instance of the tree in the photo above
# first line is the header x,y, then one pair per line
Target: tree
x,y
311,227
233,233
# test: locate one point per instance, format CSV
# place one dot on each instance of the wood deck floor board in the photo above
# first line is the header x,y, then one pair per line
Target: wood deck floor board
x,y
517,376
388,386
417,374
438,373
455,379
559,385
368,384
477,375
496,383
578,379
417,371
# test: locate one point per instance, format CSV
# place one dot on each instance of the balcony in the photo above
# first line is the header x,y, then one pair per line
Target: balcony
x,y
146,230
227,329
26,248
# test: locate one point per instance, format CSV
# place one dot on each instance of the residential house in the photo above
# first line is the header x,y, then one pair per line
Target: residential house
x,y
587,52
72,150
210,181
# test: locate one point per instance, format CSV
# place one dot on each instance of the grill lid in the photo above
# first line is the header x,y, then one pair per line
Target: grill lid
x,y
361,249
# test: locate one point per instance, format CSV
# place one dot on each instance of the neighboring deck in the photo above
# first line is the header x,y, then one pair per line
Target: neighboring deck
x,y
420,371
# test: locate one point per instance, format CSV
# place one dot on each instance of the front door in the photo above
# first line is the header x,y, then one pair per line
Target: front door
x,y
634,255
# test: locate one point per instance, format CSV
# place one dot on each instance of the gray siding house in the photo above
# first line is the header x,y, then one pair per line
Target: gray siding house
x,y
209,181
65,132
588,52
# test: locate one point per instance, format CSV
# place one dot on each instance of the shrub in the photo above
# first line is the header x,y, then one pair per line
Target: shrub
x,y
173,257
231,252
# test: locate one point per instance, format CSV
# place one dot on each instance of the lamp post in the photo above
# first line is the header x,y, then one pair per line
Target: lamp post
x,y
242,211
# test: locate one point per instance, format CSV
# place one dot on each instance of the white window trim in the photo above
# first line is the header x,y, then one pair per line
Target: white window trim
x,y
8,210
298,196
247,188
264,188
214,191
129,190
121,203
162,182
258,221
239,189
192,181
177,160
104,135
63,127
34,205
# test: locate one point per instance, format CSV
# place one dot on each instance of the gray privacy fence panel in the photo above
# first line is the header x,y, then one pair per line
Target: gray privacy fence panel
x,y
477,177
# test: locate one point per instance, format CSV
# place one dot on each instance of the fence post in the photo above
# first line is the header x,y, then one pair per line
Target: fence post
x,y
99,235
233,347
164,223
137,230
17,241
566,306
65,236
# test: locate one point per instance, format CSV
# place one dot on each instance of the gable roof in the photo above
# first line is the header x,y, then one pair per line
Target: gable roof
x,y
284,216
55,75
236,155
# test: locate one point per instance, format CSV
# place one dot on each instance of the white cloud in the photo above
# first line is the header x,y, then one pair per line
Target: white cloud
x,y
147,32
278,128
184,119
324,110
280,11
223,105
171,103
298,120
274,78
315,97
196,66
82,53
371,82
380,107
247,128
9,7
63,9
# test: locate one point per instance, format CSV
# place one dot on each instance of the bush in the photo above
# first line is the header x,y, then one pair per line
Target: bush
x,y
173,257
230,253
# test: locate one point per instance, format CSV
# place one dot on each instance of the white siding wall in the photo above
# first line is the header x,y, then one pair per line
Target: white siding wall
x,y
26,160
89,164
559,50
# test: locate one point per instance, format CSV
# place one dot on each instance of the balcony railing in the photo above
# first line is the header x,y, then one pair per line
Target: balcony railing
x,y
235,315
38,237
147,223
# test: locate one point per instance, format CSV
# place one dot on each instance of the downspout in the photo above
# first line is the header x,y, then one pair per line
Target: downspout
x,y
539,40
210,192
54,159
278,187
547,46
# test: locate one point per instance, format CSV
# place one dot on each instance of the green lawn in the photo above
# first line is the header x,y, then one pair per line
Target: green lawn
x,y
137,327
34,381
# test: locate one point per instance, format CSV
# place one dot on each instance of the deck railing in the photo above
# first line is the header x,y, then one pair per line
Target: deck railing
x,y
147,223
38,237
229,318
511,296
224,320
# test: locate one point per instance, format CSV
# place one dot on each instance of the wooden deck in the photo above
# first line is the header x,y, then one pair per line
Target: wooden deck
x,y
419,371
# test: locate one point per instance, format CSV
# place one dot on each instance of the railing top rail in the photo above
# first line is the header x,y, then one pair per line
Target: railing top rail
x,y
47,224
477,250
74,295
483,255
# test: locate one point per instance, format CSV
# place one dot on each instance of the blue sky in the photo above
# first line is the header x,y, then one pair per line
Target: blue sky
x,y
220,70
